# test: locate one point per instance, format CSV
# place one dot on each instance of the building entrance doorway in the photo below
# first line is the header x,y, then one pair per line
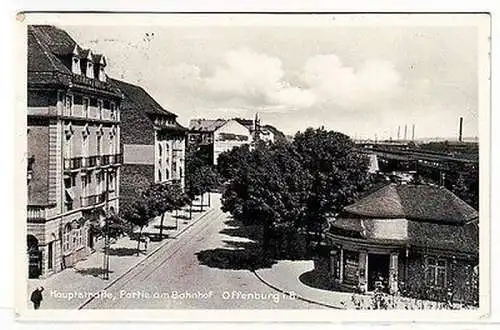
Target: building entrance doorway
x,y
378,271
34,257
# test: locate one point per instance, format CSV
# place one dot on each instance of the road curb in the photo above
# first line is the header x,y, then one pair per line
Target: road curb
x,y
260,278
89,300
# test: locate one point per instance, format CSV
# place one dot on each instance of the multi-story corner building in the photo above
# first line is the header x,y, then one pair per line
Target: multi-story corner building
x,y
73,149
154,143
218,136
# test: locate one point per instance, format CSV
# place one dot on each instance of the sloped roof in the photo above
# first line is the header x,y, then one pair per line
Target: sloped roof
x,y
47,48
56,39
414,202
206,125
455,237
40,56
463,238
248,123
137,98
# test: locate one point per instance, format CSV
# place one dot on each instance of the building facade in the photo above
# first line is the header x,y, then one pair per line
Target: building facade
x,y
74,154
218,136
416,240
154,143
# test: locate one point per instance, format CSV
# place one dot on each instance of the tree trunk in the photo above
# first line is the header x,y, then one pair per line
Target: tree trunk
x,y
202,201
161,225
176,220
191,210
139,241
209,199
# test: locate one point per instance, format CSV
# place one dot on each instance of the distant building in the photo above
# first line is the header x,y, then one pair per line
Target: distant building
x,y
259,132
218,136
154,143
416,240
74,154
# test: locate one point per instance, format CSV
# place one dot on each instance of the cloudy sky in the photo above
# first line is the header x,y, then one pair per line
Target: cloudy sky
x,y
359,80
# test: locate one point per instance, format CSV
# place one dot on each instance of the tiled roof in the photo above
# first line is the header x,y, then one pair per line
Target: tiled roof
x,y
47,48
56,39
455,237
206,125
137,98
414,202
248,123
463,238
40,56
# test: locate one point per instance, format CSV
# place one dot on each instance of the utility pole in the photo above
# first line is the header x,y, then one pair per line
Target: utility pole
x,y
106,229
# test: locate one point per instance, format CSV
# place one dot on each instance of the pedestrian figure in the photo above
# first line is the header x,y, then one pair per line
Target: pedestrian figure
x,y
36,297
146,241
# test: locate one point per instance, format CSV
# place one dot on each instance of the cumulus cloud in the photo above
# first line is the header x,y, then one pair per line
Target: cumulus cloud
x,y
258,80
333,82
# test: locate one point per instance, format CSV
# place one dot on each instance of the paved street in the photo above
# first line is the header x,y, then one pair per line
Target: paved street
x,y
175,278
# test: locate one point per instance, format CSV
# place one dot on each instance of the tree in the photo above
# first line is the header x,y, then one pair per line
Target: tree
x,y
138,213
164,197
294,186
201,176
268,189
230,161
339,174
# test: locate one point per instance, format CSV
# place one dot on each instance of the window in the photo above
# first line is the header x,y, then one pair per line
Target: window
x,y
159,175
99,107
113,110
66,238
80,236
99,144
68,153
86,103
68,193
68,105
84,185
435,272
111,181
90,69
111,144
75,67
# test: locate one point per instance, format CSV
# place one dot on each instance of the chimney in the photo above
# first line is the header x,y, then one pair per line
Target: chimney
x,y
460,129
399,133
406,132
413,132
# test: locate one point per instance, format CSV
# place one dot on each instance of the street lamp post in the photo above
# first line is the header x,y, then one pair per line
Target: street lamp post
x,y
106,229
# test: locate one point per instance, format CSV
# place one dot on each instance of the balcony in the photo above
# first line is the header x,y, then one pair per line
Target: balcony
x,y
36,213
92,200
76,163
106,160
116,159
72,163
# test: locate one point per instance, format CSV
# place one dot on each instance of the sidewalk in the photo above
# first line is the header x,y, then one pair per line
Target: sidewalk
x,y
284,277
71,287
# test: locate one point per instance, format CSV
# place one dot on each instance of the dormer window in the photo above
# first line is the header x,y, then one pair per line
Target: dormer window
x,y
75,66
101,72
75,61
90,65
90,69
